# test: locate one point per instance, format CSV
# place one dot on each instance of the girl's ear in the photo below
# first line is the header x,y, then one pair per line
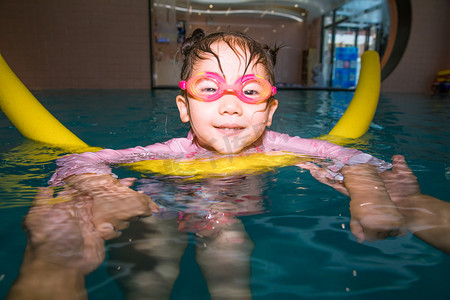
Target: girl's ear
x,y
183,108
271,108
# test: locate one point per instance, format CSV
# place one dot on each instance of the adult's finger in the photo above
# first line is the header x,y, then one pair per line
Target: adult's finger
x,y
107,232
129,181
357,230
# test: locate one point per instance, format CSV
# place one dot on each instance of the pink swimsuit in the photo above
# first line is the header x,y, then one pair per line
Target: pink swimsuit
x,y
182,148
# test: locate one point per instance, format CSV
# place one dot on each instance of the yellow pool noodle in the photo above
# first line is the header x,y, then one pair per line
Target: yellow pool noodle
x,y
36,123
28,115
359,114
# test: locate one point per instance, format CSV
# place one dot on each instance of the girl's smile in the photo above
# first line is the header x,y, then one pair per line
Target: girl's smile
x,y
230,129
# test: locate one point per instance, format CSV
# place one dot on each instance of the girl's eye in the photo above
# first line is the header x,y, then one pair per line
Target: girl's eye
x,y
209,90
253,89
251,93
206,86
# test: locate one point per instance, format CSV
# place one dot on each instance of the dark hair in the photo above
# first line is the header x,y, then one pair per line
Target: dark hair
x,y
198,44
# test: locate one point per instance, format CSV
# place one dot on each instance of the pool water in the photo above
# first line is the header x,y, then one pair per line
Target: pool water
x,y
303,247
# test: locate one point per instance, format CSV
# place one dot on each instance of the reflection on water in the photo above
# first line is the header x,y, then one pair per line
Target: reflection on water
x,y
24,168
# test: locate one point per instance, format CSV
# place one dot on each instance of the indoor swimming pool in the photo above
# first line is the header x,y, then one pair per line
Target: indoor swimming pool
x,y
299,228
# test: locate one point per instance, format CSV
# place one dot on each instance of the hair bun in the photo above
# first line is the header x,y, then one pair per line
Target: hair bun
x,y
272,52
196,36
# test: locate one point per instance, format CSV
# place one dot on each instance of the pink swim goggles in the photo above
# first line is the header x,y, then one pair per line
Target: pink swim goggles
x,y
208,86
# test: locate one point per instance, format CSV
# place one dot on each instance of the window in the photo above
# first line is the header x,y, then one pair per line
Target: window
x,y
348,31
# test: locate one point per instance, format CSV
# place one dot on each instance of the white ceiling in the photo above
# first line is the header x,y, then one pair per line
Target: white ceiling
x,y
314,8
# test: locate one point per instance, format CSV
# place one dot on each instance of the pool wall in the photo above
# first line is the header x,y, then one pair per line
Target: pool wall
x,y
106,44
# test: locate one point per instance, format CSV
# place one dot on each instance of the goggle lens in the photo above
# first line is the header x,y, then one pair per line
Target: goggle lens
x,y
256,89
204,88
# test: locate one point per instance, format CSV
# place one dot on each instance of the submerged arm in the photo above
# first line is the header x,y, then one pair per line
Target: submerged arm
x,y
65,235
373,214
426,217
354,173
62,247
39,279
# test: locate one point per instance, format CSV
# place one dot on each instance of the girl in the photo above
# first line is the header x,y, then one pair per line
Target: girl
x,y
227,96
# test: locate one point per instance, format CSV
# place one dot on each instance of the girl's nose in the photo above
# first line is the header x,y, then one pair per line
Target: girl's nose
x,y
230,104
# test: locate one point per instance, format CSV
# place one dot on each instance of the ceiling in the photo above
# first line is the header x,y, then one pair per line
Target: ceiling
x,y
305,9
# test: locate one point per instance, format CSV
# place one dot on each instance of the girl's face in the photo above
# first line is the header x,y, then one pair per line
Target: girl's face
x,y
227,125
